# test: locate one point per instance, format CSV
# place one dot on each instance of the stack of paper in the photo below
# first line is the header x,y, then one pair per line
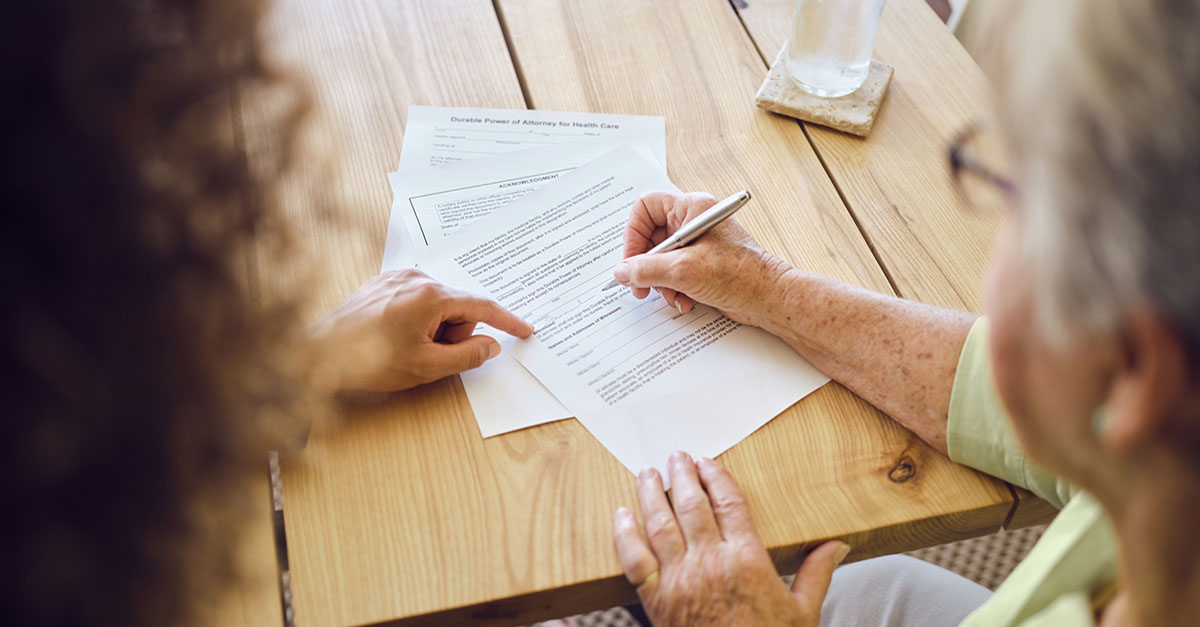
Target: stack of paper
x,y
534,219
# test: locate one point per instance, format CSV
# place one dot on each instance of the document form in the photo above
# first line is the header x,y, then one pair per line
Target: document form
x,y
439,135
643,378
432,203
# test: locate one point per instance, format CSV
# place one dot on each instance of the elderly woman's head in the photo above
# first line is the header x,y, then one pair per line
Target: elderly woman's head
x,y
1095,288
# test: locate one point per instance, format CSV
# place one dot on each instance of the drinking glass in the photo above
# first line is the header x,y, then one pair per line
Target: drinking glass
x,y
829,53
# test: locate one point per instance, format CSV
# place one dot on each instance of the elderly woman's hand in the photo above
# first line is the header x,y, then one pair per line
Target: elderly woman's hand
x,y
725,268
402,329
704,564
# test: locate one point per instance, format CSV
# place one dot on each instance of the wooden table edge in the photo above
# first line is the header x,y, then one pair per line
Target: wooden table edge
x,y
614,591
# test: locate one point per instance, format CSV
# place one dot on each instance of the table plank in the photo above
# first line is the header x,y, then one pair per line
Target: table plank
x,y
255,600
367,502
1030,510
365,62
897,181
692,62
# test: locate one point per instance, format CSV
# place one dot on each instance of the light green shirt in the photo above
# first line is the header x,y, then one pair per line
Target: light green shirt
x,y
1076,557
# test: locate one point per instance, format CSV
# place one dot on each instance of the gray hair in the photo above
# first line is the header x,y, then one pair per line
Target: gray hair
x,y
1101,99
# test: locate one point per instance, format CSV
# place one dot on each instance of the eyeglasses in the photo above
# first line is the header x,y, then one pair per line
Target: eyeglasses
x,y
981,185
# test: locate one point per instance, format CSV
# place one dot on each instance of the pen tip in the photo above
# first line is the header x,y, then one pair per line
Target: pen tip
x,y
611,285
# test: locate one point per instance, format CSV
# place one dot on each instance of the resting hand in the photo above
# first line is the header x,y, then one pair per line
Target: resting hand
x,y
725,268
704,563
402,329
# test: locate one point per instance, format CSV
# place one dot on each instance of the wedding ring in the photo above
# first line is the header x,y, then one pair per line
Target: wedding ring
x,y
652,577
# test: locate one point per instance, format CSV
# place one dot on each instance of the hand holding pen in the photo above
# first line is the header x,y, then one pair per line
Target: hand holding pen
x,y
725,268
693,228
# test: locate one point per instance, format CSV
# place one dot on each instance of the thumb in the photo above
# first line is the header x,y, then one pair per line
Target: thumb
x,y
446,359
658,270
812,580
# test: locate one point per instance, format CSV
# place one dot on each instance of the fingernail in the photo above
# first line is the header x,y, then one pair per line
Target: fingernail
x,y
646,474
841,554
706,461
679,305
623,512
493,349
621,273
679,457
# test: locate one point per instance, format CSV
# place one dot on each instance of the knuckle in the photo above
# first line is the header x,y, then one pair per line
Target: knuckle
x,y
477,357
402,277
659,525
727,503
426,290
637,273
411,273
680,269
689,502
659,535
748,553
626,525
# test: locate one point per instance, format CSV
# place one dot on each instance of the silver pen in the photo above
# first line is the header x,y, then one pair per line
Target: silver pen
x,y
694,229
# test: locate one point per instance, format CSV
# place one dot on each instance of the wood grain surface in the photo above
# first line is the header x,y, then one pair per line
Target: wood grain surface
x,y
255,600
1029,510
399,511
897,181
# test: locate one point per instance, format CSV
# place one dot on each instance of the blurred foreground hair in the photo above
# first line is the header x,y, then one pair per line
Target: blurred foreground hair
x,y
143,379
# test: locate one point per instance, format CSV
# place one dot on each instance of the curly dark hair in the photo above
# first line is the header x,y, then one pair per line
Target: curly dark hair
x,y
145,379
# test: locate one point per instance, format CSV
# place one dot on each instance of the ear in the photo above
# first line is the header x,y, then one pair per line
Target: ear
x,y
1151,382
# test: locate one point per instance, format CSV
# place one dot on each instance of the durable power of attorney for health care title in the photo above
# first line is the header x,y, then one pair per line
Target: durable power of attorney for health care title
x,y
500,122
533,216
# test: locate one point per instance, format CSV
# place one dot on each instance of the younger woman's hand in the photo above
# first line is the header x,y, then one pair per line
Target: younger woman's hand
x,y
402,329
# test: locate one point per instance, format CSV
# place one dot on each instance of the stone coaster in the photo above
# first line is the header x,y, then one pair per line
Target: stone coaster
x,y
853,113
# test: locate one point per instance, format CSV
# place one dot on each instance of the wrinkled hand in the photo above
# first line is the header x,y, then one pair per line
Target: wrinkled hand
x,y
725,268
402,329
703,563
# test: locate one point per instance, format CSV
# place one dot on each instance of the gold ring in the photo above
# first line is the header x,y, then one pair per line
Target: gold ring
x,y
652,577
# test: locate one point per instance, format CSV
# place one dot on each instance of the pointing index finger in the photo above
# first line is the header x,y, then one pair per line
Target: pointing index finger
x,y
489,312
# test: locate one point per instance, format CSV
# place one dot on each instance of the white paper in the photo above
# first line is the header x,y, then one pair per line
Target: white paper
x,y
439,135
432,203
429,204
643,378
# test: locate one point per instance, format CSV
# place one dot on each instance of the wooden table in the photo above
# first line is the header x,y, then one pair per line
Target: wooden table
x,y
255,600
400,512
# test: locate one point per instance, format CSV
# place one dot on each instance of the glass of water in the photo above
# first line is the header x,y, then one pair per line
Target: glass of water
x,y
829,53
